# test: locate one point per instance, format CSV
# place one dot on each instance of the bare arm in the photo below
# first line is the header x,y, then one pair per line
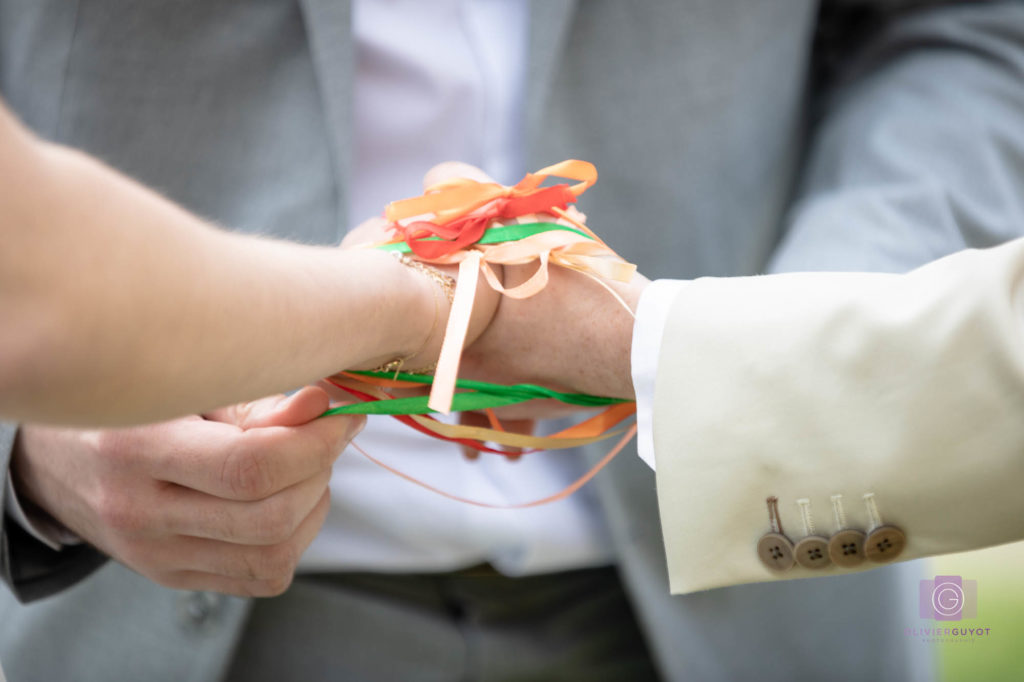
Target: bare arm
x,y
120,307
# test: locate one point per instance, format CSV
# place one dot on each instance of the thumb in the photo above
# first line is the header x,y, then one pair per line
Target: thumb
x,y
296,409
447,170
482,419
369,231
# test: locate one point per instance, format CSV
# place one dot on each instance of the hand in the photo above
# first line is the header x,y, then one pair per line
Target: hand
x,y
572,336
226,503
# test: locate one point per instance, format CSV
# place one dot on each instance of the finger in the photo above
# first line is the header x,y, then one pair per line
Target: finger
x,y
538,409
219,460
471,419
447,170
199,581
265,522
279,410
244,562
481,419
518,426
576,214
299,408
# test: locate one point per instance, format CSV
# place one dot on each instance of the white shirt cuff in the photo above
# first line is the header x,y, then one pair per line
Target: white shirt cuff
x,y
46,531
651,317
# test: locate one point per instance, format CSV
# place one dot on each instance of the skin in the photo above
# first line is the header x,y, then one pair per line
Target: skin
x,y
590,351
228,501
114,300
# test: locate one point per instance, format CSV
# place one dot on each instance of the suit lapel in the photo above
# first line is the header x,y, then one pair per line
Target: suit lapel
x,y
329,27
549,29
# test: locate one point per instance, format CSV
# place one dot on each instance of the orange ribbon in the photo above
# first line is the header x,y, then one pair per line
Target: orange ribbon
x,y
456,197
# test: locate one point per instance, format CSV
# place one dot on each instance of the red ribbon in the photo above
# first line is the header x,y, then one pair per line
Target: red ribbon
x,y
467,230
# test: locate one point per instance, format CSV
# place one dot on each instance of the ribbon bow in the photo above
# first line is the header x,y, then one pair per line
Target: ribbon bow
x,y
454,222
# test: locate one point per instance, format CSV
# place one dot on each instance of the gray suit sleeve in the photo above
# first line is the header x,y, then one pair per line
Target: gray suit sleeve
x,y
30,569
919,147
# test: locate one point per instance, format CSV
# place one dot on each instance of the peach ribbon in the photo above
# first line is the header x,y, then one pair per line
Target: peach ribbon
x,y
562,494
459,211
456,197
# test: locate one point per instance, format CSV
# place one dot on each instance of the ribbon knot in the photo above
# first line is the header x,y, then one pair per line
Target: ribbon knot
x,y
450,224
462,208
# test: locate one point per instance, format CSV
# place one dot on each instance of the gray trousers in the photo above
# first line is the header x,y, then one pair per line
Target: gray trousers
x,y
470,625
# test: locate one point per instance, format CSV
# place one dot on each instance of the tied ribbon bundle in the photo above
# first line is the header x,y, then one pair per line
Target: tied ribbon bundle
x,y
459,233
477,225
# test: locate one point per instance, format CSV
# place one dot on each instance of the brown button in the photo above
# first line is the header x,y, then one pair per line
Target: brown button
x,y
884,543
812,552
775,551
846,548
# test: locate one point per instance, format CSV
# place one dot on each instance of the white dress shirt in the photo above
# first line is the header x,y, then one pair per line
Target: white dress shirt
x,y
651,316
438,81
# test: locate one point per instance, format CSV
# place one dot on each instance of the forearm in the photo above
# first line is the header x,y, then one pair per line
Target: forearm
x,y
119,306
907,387
573,336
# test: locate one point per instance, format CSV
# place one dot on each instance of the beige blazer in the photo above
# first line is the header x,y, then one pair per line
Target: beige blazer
x,y
908,389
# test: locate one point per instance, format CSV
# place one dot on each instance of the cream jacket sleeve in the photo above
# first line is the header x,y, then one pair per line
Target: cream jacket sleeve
x,y
857,400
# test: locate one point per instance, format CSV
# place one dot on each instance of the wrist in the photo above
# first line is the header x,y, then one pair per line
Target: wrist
x,y
408,312
429,293
21,503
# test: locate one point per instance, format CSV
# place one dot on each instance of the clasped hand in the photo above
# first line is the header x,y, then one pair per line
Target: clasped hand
x,y
228,501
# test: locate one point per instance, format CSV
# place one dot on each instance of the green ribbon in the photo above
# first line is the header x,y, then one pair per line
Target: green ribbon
x,y
497,235
479,395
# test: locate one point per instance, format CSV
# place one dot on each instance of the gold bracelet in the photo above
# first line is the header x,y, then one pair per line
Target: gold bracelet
x,y
447,285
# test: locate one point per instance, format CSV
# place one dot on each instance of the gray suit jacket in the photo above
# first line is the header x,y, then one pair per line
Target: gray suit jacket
x,y
732,138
